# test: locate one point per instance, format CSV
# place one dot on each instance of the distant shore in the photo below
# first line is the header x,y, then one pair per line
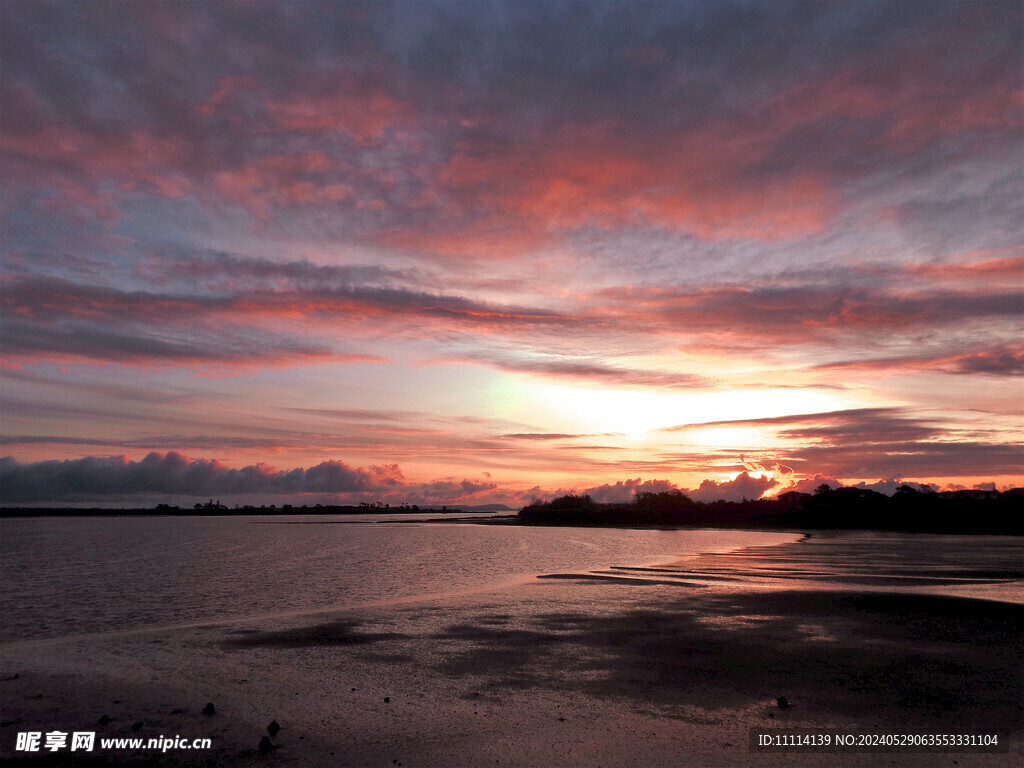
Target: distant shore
x,y
212,510
908,510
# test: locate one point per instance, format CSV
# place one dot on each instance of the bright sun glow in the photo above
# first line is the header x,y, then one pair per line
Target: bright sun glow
x,y
635,412
727,437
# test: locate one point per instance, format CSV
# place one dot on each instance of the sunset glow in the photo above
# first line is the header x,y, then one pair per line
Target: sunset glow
x,y
470,253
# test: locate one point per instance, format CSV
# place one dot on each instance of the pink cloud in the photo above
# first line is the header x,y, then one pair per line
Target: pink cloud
x,y
998,361
624,490
227,86
784,315
743,486
276,181
908,97
605,175
736,177
138,160
996,268
362,110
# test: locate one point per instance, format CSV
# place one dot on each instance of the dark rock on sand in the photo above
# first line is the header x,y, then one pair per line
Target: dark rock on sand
x,y
137,725
104,719
783,702
209,709
266,746
273,728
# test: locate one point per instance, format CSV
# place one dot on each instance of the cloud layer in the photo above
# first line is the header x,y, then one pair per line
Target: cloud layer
x,y
426,234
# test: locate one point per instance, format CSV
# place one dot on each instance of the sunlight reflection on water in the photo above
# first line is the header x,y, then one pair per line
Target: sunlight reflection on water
x,y
71,575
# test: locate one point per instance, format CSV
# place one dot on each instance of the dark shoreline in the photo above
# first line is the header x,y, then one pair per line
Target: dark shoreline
x,y
164,511
909,510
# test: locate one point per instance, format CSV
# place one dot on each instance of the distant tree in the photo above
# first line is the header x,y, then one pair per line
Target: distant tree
x,y
565,510
666,507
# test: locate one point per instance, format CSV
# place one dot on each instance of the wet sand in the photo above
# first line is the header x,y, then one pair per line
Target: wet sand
x,y
665,666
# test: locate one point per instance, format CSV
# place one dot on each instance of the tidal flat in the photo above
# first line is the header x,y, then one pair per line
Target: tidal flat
x,y
671,663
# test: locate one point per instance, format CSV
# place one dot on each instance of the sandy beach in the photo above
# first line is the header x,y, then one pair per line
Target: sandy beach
x,y
666,666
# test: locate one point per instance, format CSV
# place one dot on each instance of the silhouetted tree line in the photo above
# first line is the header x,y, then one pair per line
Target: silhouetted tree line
x,y
364,507
908,510
217,508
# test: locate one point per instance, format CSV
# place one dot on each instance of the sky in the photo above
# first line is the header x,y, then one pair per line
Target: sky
x,y
475,252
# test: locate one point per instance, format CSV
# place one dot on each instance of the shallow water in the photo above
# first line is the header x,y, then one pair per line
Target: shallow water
x,y
65,576
982,567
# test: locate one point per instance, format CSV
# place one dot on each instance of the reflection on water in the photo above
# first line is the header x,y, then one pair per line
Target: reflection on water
x,y
70,575
988,567
65,576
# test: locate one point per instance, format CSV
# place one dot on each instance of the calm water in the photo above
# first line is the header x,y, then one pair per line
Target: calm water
x,y
65,576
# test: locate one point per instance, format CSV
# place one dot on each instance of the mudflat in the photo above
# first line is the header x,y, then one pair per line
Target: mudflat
x,y
673,665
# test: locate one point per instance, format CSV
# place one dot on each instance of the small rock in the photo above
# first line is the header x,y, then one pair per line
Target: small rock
x,y
783,702
104,719
137,725
273,728
387,699
209,709
266,745
177,711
